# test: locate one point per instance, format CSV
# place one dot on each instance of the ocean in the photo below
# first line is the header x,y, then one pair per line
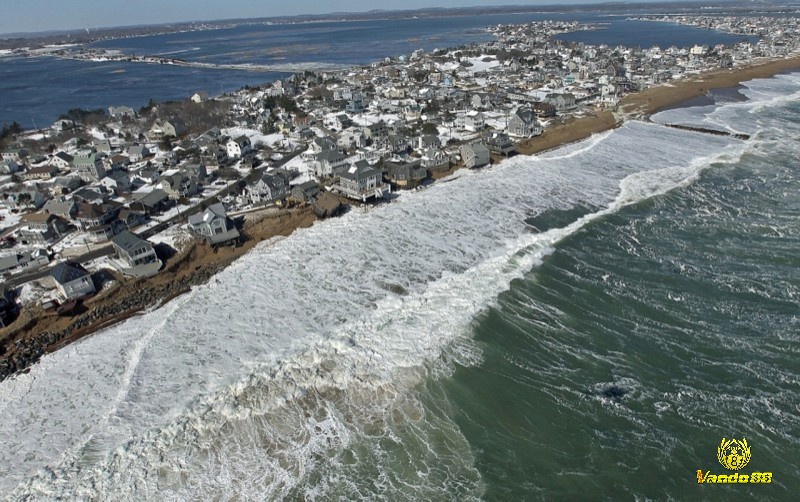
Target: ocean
x,y
35,91
586,324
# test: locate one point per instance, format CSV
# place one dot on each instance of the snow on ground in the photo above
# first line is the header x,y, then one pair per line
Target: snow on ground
x,y
102,263
367,119
297,164
173,212
478,64
96,133
37,291
8,219
270,140
177,236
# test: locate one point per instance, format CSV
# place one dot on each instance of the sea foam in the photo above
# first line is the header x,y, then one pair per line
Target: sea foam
x,y
302,358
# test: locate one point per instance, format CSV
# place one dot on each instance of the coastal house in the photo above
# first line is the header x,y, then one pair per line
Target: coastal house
x,y
18,155
89,166
376,130
500,144
62,160
238,147
138,153
177,185
25,261
199,97
305,192
327,161
174,127
119,112
408,174
214,225
268,188
117,181
131,218
427,142
361,182
132,250
62,207
473,121
101,145
435,159
41,228
152,203
561,101
72,280
524,124
99,221
352,138
42,173
61,125
474,155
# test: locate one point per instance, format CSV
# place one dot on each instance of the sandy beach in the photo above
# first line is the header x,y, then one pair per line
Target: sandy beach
x,y
34,334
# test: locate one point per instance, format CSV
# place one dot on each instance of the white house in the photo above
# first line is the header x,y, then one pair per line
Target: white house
x,y
238,147
470,121
72,280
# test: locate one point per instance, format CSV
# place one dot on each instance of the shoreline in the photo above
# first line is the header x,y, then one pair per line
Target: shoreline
x,y
34,333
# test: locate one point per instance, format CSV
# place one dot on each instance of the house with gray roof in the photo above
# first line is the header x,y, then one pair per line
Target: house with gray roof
x,y
89,166
268,188
72,280
132,250
18,262
406,174
524,124
137,153
474,155
361,182
61,207
154,202
214,225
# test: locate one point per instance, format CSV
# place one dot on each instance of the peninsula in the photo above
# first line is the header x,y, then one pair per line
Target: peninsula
x,y
108,213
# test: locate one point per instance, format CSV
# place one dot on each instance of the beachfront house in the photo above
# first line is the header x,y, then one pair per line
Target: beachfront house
x,y
72,280
500,144
214,225
474,155
270,187
132,250
406,174
361,182
524,124
435,159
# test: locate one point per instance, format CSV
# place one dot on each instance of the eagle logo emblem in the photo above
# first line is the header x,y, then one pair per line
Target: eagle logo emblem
x,y
733,454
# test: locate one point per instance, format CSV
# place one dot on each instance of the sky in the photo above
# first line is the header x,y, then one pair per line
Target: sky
x,y
20,16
